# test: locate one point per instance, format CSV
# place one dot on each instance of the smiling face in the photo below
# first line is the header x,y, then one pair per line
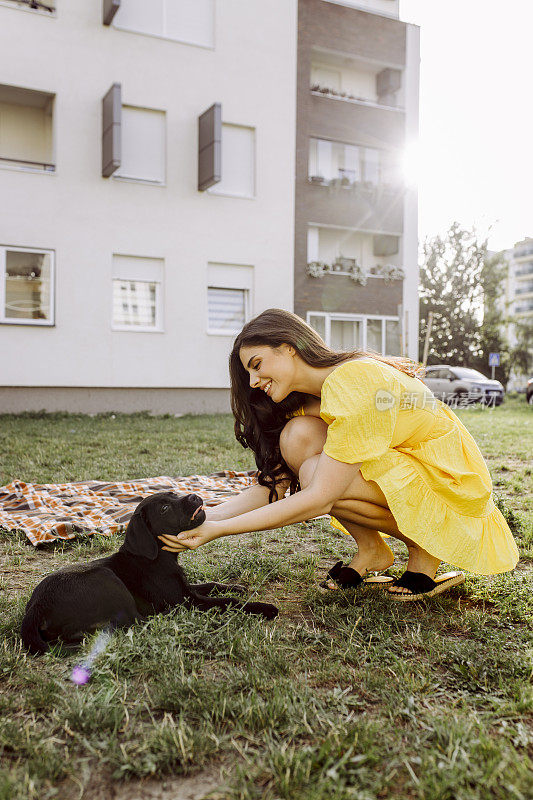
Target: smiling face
x,y
271,369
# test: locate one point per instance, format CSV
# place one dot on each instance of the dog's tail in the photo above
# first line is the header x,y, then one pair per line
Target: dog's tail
x,y
30,633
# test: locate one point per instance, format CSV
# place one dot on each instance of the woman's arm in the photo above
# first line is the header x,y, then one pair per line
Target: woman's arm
x,y
329,483
254,497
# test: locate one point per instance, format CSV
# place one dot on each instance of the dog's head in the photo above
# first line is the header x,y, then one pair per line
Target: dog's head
x,y
164,512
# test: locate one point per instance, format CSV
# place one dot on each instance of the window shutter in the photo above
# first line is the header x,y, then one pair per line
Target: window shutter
x,y
210,147
111,130
110,9
388,82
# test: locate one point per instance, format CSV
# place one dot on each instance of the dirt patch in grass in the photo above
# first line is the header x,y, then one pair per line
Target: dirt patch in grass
x,y
103,787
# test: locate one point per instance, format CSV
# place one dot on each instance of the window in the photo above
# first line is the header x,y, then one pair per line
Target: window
x,y
187,21
392,338
374,335
330,160
318,323
27,286
26,129
238,162
45,6
143,145
345,334
137,293
357,332
229,289
326,77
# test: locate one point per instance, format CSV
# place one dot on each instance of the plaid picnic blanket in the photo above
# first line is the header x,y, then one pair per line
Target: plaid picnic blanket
x,y
51,511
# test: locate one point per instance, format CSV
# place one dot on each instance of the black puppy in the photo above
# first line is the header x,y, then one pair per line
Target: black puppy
x,y
138,580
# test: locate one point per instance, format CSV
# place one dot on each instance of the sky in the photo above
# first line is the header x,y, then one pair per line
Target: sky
x,y
475,155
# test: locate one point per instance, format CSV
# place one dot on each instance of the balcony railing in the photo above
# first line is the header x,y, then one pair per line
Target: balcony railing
x,y
345,182
527,269
525,288
357,272
348,97
523,307
526,250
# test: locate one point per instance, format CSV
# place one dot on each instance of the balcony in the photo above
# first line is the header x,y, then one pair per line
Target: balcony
x,y
359,255
353,80
524,288
354,186
26,135
523,251
525,269
523,308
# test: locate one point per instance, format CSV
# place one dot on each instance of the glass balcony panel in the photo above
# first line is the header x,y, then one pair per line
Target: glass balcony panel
x,y
371,174
392,338
524,288
374,335
326,78
325,159
318,323
345,334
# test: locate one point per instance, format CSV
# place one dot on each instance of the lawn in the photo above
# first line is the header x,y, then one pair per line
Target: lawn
x,y
343,696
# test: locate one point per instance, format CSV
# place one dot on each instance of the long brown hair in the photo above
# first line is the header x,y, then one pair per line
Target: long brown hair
x,y
258,420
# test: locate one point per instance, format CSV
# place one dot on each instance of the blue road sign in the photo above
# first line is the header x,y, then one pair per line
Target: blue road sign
x,y
494,359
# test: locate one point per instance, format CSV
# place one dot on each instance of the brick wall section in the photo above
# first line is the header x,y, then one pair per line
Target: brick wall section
x,y
350,31
339,293
374,211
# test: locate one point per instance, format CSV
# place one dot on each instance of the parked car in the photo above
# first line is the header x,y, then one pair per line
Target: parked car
x,y
461,385
529,392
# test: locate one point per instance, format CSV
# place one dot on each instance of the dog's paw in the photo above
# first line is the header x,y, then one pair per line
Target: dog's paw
x,y
264,609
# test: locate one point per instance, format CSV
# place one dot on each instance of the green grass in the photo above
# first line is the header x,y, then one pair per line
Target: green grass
x,y
341,697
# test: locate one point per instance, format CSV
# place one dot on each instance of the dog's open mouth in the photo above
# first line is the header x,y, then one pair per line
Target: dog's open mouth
x,y
200,508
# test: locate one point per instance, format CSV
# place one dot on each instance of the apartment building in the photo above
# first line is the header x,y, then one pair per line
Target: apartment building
x,y
147,195
168,170
517,297
356,236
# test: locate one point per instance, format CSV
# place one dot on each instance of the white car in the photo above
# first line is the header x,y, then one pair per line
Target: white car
x,y
461,385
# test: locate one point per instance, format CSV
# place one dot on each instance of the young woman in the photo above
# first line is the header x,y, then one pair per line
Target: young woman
x,y
368,444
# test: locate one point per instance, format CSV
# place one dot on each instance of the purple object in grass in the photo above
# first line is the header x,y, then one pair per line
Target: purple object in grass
x,y
80,676
81,673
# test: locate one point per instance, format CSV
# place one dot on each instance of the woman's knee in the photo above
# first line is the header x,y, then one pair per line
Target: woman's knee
x,y
301,438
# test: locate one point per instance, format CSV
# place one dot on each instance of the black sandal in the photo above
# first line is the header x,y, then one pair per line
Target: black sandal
x,y
420,585
348,578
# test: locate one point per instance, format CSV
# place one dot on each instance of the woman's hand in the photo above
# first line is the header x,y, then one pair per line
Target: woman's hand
x,y
190,540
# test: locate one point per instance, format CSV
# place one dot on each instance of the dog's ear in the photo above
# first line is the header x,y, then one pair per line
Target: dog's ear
x,y
139,539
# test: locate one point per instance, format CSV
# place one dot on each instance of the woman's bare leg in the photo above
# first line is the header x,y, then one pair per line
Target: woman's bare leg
x,y
363,509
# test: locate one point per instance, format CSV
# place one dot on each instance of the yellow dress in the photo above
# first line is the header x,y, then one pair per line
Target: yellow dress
x,y
424,460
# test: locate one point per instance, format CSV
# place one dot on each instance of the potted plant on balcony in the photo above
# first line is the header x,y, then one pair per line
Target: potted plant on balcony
x,y
317,269
391,272
319,179
358,274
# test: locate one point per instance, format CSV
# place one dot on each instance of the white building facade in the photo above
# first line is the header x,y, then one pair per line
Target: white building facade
x,y
125,292
148,177
517,298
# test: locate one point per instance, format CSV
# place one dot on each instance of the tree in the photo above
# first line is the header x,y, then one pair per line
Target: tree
x,y
492,337
450,287
461,283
